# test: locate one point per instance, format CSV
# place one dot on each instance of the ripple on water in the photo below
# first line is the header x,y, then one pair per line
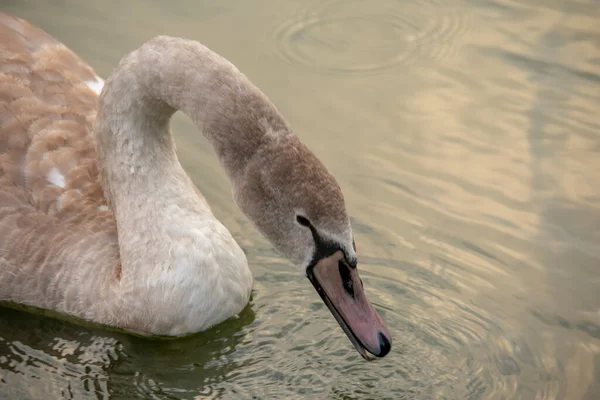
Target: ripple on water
x,y
38,364
362,37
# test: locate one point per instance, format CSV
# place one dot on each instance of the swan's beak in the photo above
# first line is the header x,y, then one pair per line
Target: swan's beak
x,y
342,291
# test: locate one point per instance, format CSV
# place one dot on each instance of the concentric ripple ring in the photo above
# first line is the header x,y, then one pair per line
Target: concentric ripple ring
x,y
362,37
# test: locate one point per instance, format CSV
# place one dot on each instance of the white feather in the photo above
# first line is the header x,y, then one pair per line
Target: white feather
x,y
56,178
95,84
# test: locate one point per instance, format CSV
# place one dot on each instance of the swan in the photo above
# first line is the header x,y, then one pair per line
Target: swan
x,y
99,220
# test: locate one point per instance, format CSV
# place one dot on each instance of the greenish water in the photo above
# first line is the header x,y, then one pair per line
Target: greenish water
x,y
466,137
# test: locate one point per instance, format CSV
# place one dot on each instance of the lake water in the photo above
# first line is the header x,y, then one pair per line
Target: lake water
x,y
466,137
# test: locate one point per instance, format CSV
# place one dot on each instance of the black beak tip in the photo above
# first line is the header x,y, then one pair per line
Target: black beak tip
x,y
384,345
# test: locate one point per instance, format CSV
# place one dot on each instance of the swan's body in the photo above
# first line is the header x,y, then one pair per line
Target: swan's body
x,y
59,245
99,220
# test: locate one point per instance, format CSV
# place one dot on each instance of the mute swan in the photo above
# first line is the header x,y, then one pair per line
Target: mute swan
x,y
99,220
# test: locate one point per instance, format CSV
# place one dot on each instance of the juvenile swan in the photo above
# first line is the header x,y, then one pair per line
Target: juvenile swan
x,y
99,220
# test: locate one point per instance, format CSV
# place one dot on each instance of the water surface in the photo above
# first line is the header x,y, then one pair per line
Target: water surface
x,y
466,137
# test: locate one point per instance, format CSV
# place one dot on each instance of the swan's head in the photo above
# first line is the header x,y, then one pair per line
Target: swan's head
x,y
299,207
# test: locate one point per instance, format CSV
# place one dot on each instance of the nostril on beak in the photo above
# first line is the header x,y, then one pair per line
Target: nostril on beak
x,y
384,345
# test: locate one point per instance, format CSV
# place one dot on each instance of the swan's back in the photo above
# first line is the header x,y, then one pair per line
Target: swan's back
x,y
54,223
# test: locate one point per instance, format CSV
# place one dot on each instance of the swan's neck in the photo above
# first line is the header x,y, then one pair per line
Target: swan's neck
x,y
168,237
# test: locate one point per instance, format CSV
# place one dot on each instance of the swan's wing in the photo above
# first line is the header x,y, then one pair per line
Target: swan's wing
x,y
46,113
53,218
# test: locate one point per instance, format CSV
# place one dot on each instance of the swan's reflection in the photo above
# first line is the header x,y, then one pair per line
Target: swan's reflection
x,y
48,358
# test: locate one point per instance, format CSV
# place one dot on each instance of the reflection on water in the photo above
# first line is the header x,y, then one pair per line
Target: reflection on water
x,y
68,361
466,138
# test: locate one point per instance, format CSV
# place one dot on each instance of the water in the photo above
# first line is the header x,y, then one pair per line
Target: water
x,y
465,135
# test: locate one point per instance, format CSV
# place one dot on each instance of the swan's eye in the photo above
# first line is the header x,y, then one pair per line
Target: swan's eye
x,y
303,221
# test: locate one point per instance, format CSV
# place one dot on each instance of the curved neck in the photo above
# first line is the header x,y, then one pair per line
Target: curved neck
x,y
136,152
143,180
169,74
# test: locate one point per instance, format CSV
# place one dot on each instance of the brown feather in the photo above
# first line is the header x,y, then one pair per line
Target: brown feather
x,y
46,111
